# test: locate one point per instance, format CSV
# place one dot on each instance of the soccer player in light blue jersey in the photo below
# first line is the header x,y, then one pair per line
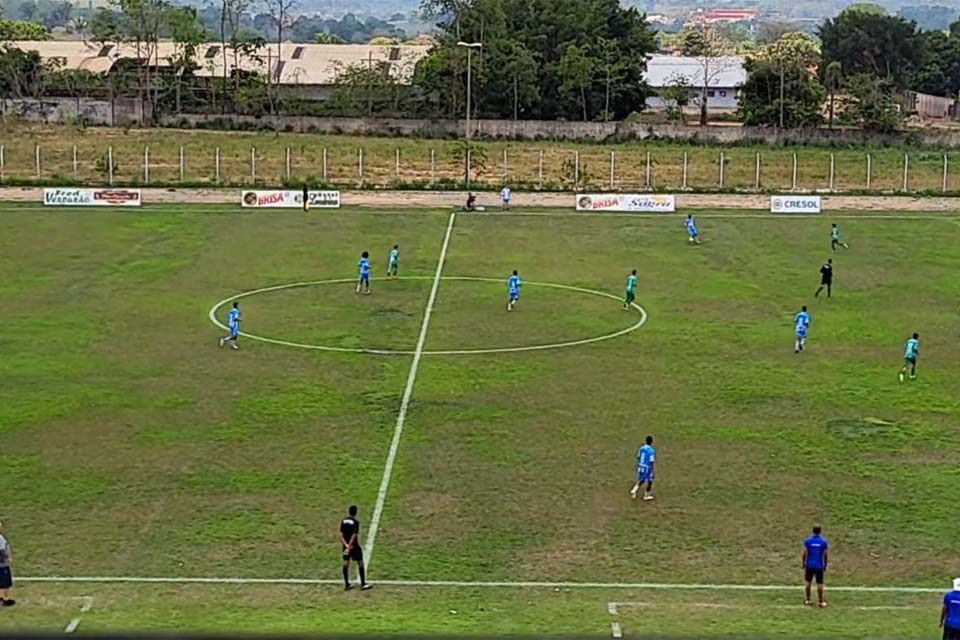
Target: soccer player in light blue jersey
x,y
691,226
233,323
910,352
645,459
800,323
513,289
394,262
363,281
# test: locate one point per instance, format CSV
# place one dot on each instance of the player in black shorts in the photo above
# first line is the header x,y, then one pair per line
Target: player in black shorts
x,y
350,539
826,278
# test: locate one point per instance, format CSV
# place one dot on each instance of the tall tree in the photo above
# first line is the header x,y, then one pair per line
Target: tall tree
x,y
873,104
711,52
832,81
576,74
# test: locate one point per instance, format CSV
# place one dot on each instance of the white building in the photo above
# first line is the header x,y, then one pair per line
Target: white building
x,y
725,75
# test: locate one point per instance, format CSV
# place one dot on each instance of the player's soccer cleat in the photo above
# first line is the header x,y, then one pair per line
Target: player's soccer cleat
x,y
807,603
366,587
648,496
9,603
348,587
822,604
221,342
913,376
235,346
901,376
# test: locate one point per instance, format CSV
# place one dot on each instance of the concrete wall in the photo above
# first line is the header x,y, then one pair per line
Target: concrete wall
x,y
64,110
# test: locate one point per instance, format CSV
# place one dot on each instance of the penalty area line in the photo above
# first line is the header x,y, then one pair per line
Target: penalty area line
x,y
407,395
662,586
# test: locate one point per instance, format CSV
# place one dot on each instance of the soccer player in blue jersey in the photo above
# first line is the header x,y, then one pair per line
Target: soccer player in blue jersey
x,y
691,226
645,460
394,262
364,279
513,289
950,613
233,323
910,352
800,323
814,564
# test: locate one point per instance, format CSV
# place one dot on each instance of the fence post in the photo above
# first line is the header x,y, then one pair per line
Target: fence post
x,y
216,160
943,181
756,177
324,164
287,164
506,171
793,175
906,172
612,170
540,171
468,159
433,166
721,169
869,170
397,165
146,164
181,164
683,181
253,165
38,162
74,162
648,171
3,164
360,165
110,165
831,172
576,170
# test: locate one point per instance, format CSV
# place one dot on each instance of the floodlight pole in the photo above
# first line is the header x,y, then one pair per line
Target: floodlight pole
x,y
469,46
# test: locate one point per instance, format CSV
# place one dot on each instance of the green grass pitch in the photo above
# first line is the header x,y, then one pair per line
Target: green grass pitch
x,y
133,446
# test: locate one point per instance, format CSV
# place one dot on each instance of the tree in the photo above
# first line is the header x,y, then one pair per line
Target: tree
x,y
57,15
611,66
22,73
711,52
832,80
576,74
864,41
521,68
187,35
780,93
324,37
676,95
873,106
11,30
280,12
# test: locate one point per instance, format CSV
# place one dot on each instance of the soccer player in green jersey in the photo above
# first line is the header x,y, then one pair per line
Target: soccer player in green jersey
x,y
394,262
910,351
631,284
835,239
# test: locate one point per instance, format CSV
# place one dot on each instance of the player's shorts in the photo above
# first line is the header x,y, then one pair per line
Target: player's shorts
x,y
644,474
514,296
392,266
365,278
630,297
356,554
951,633
910,361
692,231
826,281
802,332
835,242
811,574
234,330
505,200
6,578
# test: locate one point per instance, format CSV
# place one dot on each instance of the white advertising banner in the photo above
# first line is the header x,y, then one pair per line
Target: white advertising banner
x,y
626,202
794,204
71,197
273,199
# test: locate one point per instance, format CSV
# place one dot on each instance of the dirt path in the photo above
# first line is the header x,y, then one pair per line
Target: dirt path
x,y
431,199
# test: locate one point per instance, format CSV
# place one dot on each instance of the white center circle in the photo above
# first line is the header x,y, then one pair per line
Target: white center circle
x,y
445,352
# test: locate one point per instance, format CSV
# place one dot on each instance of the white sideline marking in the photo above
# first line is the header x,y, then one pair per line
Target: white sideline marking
x,y
87,605
405,401
212,315
660,586
616,630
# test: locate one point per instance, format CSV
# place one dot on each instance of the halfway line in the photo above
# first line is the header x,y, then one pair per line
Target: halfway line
x,y
405,401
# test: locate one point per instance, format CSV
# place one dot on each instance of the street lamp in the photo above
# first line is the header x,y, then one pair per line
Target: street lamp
x,y
470,46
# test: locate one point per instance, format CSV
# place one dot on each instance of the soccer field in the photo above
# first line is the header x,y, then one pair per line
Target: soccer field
x,y
134,447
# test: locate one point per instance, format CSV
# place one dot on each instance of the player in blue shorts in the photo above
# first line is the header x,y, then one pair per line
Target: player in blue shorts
x,y
691,226
394,262
513,289
645,459
363,281
233,323
800,323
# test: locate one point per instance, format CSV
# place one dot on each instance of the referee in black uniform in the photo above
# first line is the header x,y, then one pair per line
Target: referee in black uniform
x,y
350,539
826,278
